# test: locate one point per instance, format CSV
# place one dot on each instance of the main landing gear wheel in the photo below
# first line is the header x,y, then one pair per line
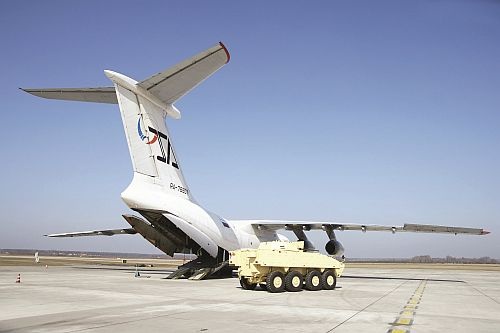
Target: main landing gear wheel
x,y
275,282
329,280
313,280
294,281
247,285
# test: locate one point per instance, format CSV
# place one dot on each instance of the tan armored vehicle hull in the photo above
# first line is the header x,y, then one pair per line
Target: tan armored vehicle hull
x,y
280,266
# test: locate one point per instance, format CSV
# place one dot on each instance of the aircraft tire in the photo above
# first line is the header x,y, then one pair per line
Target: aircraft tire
x,y
275,282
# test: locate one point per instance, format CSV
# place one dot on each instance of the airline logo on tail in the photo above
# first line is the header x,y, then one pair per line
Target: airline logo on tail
x,y
169,157
141,134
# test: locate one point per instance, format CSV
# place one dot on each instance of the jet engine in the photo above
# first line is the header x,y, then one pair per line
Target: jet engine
x,y
334,247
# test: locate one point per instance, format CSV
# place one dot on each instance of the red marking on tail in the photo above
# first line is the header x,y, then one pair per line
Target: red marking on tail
x,y
227,52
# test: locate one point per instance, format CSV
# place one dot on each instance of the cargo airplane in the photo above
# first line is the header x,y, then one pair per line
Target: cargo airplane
x,y
170,218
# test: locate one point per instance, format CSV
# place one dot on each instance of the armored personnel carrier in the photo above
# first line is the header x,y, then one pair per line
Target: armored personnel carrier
x,y
279,266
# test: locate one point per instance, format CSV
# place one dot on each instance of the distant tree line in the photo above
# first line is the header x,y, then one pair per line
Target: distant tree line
x,y
417,259
454,260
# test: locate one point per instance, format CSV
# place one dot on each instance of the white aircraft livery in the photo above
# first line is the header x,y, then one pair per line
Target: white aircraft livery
x,y
171,219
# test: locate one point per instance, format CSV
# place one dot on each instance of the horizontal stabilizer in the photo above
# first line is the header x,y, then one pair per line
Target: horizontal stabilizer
x,y
310,225
110,232
97,95
167,86
175,82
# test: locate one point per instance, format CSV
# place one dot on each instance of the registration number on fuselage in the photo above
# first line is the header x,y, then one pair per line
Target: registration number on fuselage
x,y
179,188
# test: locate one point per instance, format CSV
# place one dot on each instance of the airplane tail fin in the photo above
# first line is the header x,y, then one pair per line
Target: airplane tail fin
x,y
144,106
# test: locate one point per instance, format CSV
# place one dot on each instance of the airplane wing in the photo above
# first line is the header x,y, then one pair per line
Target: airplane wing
x,y
110,232
407,227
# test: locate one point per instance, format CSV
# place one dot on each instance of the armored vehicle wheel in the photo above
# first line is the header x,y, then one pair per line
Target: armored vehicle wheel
x,y
294,281
329,280
247,285
313,280
275,282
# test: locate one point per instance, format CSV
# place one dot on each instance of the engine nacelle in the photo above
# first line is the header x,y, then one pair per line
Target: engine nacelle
x,y
334,247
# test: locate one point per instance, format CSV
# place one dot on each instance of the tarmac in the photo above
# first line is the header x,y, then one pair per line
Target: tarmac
x,y
111,299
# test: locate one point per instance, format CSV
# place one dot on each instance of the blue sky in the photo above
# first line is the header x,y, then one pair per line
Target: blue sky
x,y
354,111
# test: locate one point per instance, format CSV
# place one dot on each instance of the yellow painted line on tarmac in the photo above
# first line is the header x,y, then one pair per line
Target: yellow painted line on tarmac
x,y
397,330
407,313
403,322
410,309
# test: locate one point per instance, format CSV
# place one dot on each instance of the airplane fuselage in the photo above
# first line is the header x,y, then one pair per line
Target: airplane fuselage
x,y
209,230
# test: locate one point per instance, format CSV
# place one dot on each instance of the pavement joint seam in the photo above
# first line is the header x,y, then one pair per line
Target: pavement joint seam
x,y
366,307
482,293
